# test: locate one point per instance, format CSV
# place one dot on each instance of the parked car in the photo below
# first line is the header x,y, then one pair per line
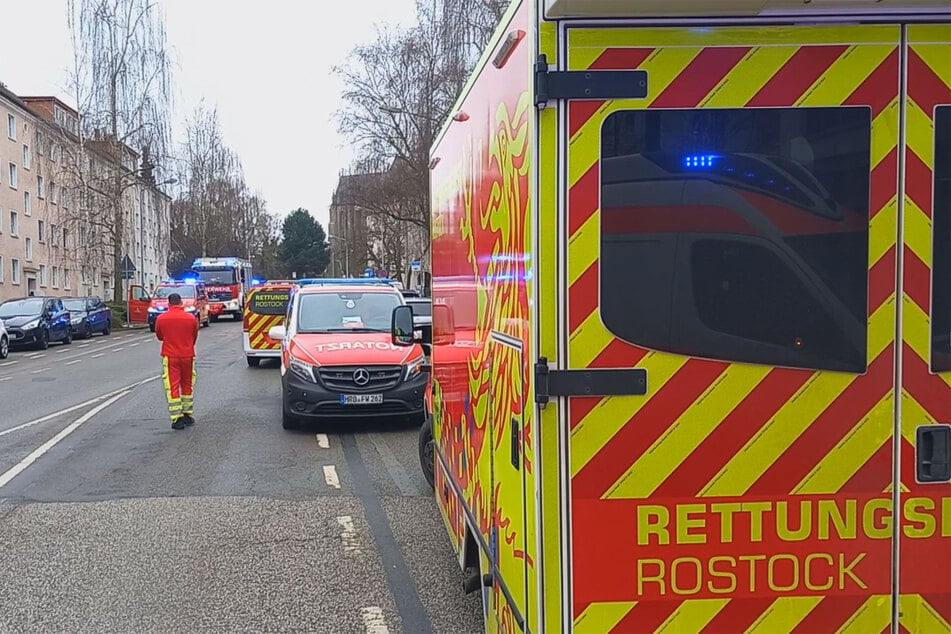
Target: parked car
x,y
422,310
4,341
88,315
36,321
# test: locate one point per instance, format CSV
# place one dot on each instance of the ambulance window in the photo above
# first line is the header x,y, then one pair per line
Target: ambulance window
x,y
941,266
741,233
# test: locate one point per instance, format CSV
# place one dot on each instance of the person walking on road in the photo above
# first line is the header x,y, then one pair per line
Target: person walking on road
x,y
178,332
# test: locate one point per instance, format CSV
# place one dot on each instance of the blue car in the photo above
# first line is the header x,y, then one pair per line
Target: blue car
x,y
36,321
88,315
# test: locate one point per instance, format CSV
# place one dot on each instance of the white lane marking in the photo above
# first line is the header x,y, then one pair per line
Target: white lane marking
x,y
6,363
85,345
36,355
118,349
73,408
322,441
373,620
133,345
6,378
73,362
101,354
348,534
330,475
40,370
62,350
37,453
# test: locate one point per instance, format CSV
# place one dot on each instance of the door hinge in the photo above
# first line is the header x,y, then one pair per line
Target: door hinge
x,y
587,84
587,382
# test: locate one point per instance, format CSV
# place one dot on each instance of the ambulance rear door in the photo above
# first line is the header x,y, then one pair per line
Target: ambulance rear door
x,y
727,373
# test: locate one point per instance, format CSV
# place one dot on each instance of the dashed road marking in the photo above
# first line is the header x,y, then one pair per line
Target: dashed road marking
x,y
118,349
85,345
36,356
6,378
133,345
323,441
73,362
40,370
348,534
373,620
5,364
96,356
330,475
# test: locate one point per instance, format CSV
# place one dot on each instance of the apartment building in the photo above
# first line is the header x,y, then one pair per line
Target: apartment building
x,y
58,209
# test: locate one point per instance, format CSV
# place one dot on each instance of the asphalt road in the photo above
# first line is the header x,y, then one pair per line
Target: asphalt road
x,y
112,521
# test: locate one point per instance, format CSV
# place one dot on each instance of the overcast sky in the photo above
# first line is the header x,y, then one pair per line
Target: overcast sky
x,y
265,65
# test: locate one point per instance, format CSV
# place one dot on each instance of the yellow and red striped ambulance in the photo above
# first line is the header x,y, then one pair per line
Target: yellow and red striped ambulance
x,y
696,260
265,306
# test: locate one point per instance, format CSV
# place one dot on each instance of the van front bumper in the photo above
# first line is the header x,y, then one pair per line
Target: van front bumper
x,y
305,399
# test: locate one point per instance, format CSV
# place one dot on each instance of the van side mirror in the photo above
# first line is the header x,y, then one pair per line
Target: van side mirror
x,y
277,333
401,326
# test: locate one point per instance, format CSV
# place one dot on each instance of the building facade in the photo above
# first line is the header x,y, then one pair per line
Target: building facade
x,y
65,203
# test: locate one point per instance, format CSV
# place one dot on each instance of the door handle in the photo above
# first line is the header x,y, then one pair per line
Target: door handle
x,y
516,444
933,453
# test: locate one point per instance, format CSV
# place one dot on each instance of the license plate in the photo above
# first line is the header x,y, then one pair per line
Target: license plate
x,y
361,399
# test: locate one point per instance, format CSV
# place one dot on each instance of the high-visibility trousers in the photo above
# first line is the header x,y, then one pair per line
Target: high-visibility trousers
x,y
178,373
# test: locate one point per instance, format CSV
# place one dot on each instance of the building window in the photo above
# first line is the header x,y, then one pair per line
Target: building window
x,y
14,270
12,127
28,248
754,228
2,265
27,157
64,197
54,194
13,176
40,187
42,275
41,231
27,204
66,283
14,223
55,277
54,234
65,238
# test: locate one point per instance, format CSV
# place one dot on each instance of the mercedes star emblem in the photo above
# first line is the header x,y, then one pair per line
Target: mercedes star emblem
x,y
361,376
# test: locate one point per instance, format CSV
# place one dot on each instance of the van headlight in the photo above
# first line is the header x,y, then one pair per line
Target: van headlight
x,y
414,368
191,309
303,369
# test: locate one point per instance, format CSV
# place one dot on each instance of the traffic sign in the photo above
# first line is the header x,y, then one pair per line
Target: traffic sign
x,y
416,265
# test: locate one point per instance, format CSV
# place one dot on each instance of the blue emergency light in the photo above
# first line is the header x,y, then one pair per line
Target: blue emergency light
x,y
344,280
700,161
256,282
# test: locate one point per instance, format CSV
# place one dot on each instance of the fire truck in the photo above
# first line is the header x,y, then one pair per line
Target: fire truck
x,y
227,281
702,380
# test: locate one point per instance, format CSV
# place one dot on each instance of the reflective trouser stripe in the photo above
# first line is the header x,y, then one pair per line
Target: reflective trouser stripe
x,y
178,376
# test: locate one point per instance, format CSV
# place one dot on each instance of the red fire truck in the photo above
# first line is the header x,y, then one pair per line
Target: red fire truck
x,y
226,280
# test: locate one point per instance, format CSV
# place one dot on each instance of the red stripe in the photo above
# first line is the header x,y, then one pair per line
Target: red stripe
x,y
875,475
941,602
725,442
924,86
908,470
700,76
737,615
612,58
916,279
879,88
901,628
884,182
881,280
795,77
646,617
929,390
674,219
583,297
583,198
830,614
618,354
918,179
828,428
646,426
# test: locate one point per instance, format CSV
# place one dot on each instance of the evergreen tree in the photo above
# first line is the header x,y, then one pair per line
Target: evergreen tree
x,y
304,249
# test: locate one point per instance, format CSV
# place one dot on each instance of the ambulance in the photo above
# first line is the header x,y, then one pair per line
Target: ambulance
x,y
708,253
265,306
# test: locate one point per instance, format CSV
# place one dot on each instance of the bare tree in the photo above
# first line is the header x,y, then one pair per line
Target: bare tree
x,y
121,80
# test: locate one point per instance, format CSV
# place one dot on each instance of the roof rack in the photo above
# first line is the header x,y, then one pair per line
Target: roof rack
x,y
355,281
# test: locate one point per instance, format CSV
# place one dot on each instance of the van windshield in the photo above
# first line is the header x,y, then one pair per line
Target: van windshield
x,y
339,312
184,290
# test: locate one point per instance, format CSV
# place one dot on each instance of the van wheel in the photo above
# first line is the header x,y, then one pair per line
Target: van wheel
x,y
427,452
253,362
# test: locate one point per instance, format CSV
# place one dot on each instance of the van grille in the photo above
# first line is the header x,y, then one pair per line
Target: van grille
x,y
340,377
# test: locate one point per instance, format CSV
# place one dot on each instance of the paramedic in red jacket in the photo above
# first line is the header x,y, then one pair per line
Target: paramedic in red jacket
x,y
178,332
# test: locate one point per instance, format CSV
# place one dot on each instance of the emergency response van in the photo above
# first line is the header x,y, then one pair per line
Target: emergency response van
x,y
265,307
194,300
337,360
707,385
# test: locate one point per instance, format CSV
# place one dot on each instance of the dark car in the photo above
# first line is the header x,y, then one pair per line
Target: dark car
x,y
36,321
88,315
